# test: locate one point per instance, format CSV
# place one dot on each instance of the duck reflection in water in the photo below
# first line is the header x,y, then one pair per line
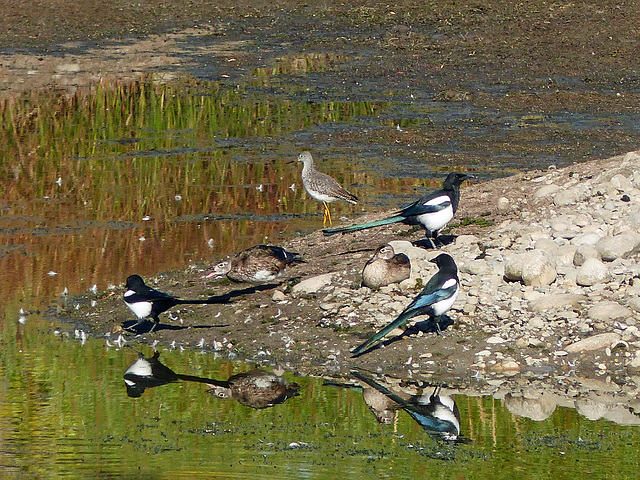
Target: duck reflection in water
x,y
437,414
256,388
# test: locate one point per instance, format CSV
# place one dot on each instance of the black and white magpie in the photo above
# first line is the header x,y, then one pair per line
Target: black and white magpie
x,y
147,302
435,300
433,211
149,372
437,414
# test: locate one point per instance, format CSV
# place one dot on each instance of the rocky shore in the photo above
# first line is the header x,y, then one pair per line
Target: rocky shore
x,y
550,300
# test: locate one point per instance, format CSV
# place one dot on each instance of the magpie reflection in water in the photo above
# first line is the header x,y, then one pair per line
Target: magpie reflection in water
x,y
437,414
256,388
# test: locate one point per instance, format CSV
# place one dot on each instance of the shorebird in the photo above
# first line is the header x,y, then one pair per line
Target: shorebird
x,y
435,300
433,211
260,263
322,187
147,302
386,267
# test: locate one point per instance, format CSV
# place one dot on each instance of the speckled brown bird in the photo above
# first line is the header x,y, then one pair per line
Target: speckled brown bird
x,y
386,267
260,263
257,388
322,187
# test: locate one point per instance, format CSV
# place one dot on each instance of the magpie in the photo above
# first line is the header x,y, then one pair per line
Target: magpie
x,y
437,414
433,211
436,298
256,388
147,302
150,372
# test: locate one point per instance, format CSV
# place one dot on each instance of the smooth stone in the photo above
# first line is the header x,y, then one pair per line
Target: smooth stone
x,y
466,240
558,301
586,238
495,339
476,267
634,302
546,191
570,196
278,296
584,252
607,311
414,253
503,204
592,271
622,245
596,342
313,284
621,183
533,268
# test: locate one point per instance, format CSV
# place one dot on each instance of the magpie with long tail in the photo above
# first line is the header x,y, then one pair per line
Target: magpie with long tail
x,y
149,303
433,211
149,372
437,297
436,413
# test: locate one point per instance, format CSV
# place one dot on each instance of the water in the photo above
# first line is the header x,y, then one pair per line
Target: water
x,y
145,178
65,413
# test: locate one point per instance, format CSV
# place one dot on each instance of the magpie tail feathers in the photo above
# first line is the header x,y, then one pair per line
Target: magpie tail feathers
x,y
208,381
402,318
363,226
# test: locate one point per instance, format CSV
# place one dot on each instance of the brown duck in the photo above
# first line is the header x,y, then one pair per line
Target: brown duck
x,y
260,263
386,267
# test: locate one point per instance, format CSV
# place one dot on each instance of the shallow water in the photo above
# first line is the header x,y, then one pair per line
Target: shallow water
x,y
65,413
145,177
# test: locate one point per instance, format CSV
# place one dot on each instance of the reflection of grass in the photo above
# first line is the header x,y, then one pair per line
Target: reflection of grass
x,y
126,151
145,143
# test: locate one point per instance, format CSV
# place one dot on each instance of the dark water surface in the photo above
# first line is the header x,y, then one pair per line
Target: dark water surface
x,y
146,177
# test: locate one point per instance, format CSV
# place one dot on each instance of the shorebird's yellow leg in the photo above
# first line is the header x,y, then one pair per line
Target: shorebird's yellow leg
x,y
327,214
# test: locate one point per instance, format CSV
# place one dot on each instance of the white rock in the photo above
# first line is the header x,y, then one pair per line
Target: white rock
x,y
570,196
313,284
495,339
582,253
476,267
586,238
278,296
595,342
608,311
503,204
532,268
546,191
623,245
558,301
592,271
621,183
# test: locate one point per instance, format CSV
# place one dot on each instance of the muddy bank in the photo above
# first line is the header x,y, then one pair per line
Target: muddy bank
x,y
500,328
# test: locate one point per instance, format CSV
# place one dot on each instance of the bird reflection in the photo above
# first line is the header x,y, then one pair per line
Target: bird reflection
x,y
437,414
256,388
